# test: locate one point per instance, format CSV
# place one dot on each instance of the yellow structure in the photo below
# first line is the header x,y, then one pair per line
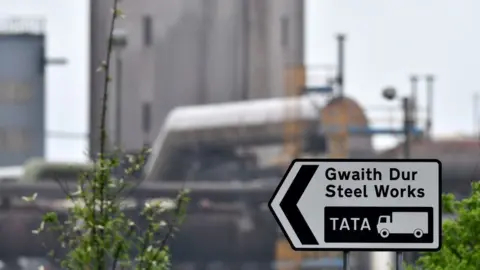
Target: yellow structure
x,y
336,120
335,116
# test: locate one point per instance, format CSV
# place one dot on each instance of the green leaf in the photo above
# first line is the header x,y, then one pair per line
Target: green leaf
x,y
461,235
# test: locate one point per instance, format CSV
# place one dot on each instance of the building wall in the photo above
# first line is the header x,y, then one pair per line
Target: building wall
x,y
203,51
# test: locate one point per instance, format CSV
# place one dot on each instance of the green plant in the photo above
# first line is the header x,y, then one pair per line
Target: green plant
x,y
97,233
461,235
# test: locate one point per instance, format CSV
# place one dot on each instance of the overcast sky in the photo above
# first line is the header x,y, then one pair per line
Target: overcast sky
x,y
387,40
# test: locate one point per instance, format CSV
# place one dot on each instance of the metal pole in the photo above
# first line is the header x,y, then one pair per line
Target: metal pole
x,y
341,64
118,99
414,99
245,92
345,260
398,261
476,126
429,123
340,84
202,94
407,126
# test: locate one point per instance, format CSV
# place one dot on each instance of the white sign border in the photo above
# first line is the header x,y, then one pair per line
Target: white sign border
x,y
323,160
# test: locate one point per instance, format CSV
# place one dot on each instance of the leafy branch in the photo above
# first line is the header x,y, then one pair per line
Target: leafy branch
x,y
461,241
99,231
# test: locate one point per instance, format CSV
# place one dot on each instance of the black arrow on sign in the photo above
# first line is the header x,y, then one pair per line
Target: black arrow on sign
x,y
290,201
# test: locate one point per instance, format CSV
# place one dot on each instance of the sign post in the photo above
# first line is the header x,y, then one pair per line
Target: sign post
x,y
360,205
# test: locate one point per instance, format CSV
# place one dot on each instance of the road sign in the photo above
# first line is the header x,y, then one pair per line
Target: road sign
x,y
340,204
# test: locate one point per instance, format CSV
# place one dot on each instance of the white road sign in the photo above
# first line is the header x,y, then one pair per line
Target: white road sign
x,y
340,204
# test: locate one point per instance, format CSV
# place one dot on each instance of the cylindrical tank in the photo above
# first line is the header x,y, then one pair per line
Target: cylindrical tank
x,y
343,115
257,122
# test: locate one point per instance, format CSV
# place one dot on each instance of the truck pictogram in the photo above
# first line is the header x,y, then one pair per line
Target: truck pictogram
x,y
415,223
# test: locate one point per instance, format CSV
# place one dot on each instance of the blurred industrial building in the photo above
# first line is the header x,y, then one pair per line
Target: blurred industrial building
x,y
218,89
174,53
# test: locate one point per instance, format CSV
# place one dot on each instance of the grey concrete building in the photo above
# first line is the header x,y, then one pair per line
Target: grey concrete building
x,y
186,52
